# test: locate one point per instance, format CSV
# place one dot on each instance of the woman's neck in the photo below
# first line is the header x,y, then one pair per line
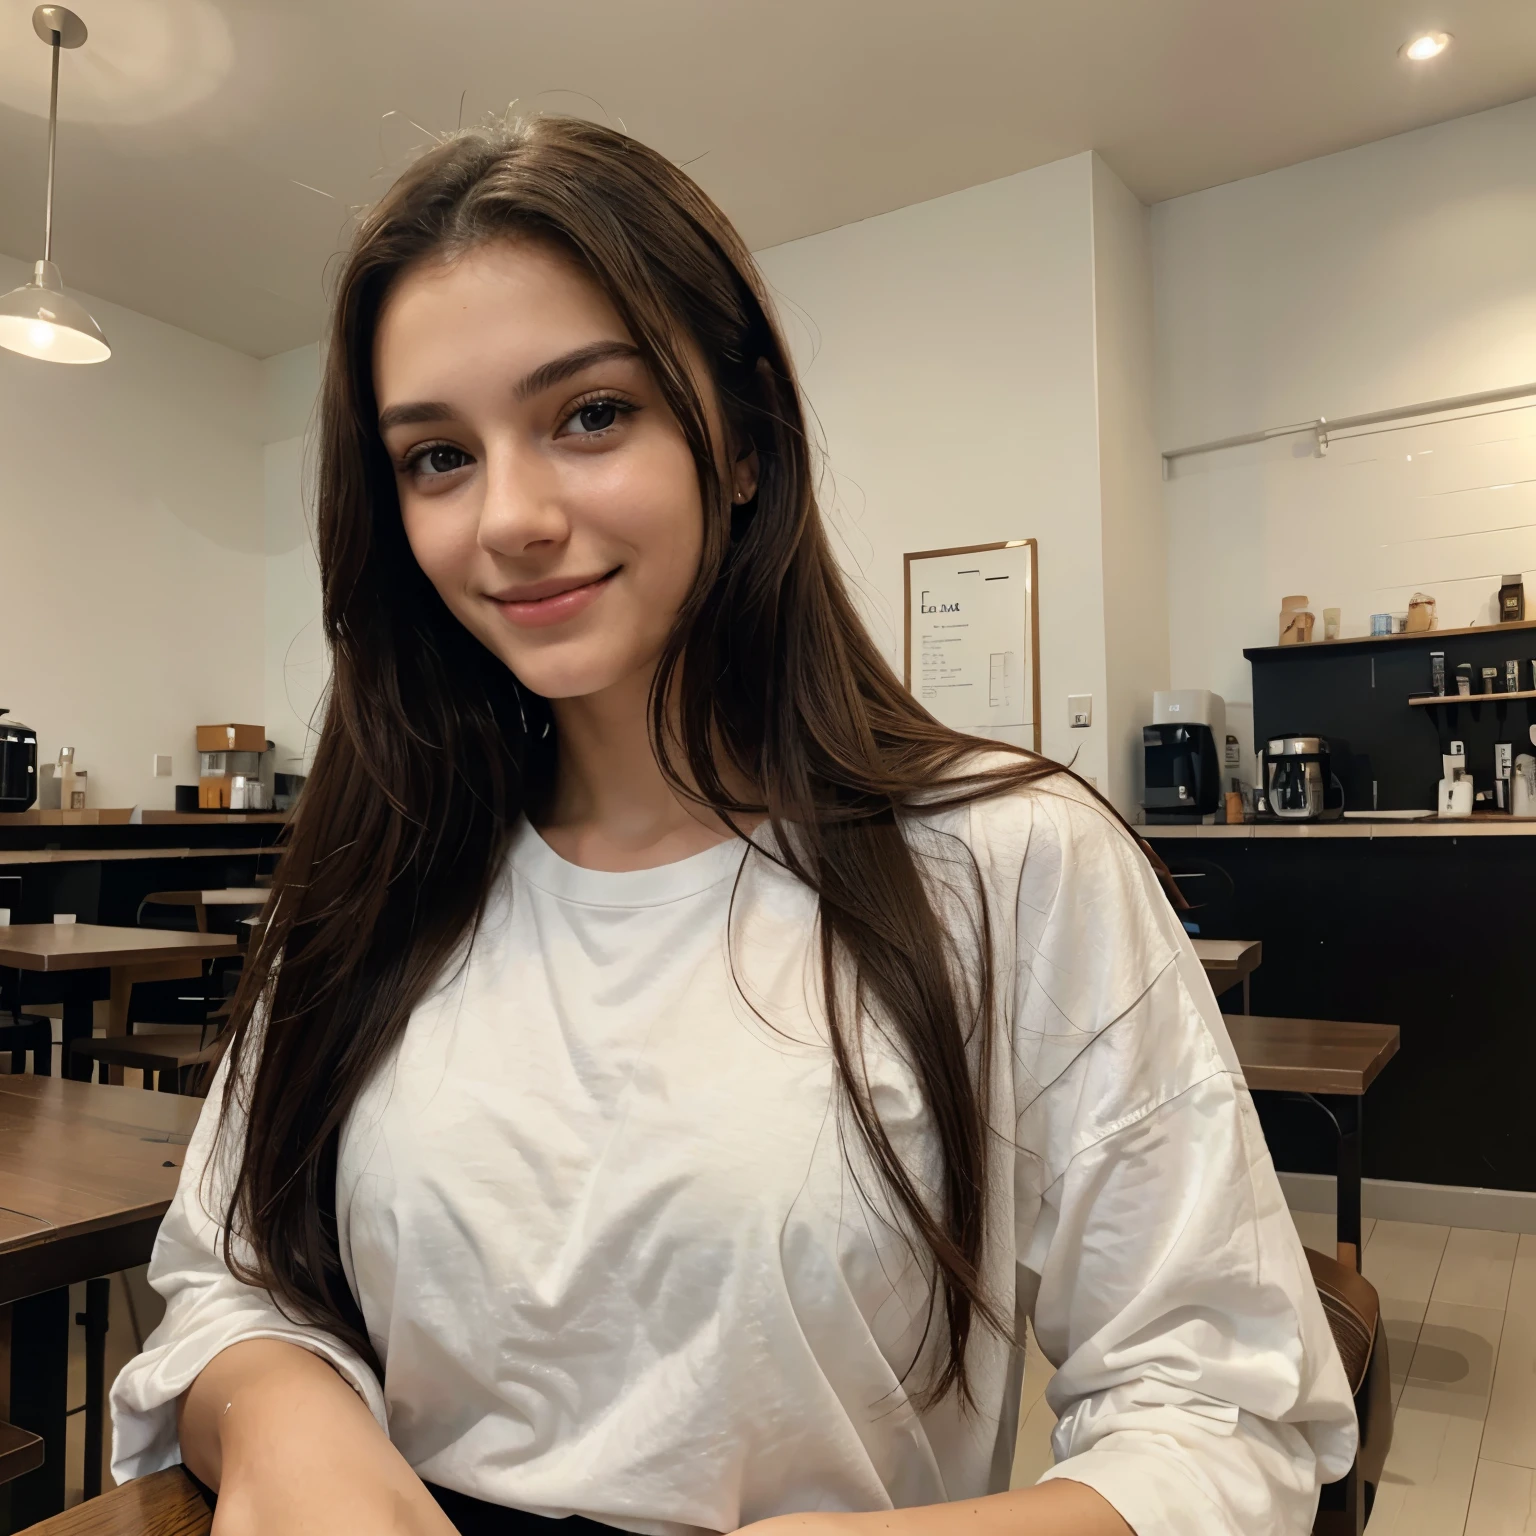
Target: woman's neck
x,y
612,809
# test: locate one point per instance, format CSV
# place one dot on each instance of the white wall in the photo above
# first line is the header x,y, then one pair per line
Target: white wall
x,y
131,549
947,350
1399,272
295,664
1135,531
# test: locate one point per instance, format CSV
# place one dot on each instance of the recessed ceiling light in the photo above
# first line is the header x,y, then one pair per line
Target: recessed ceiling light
x,y
1427,45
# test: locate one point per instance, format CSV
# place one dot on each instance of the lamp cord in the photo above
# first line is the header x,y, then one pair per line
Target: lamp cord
x,y
53,131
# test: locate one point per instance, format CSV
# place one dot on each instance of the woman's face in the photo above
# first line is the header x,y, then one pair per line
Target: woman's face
x,y
547,491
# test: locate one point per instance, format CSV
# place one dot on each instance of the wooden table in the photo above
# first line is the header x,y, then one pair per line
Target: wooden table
x,y
163,1504
200,901
87,1172
1331,1064
131,954
1228,962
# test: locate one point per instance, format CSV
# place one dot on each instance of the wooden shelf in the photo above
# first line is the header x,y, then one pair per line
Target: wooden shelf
x,y
1419,634
1474,698
110,816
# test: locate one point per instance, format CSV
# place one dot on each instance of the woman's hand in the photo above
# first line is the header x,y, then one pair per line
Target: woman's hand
x,y
292,1450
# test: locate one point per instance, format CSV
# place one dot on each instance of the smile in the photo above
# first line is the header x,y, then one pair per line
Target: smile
x,y
551,602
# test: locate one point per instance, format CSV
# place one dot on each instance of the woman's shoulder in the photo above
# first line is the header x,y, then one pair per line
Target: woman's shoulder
x,y
1025,817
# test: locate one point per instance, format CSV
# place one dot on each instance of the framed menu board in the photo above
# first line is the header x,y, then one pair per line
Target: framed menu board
x,y
972,638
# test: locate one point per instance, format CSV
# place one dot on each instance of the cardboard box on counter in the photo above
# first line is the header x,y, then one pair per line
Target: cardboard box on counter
x,y
213,792
231,738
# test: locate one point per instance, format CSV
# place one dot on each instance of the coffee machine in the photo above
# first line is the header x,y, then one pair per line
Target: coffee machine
x,y
1297,781
18,765
1182,754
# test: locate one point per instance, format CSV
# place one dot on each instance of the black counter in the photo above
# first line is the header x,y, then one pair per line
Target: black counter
x,y
1431,933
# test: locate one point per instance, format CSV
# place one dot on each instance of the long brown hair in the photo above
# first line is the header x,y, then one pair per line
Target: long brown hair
x,y
431,750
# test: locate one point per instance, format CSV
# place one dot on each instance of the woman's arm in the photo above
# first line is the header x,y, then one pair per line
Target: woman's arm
x,y
292,1449
1059,1508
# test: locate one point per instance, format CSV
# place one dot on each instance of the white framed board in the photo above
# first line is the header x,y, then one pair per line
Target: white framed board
x,y
972,638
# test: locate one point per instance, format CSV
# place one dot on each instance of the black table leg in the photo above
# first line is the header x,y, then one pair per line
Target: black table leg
x,y
98,1305
1345,1113
79,1020
1346,1110
39,1381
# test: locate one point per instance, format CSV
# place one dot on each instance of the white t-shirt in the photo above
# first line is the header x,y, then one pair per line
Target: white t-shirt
x,y
599,1215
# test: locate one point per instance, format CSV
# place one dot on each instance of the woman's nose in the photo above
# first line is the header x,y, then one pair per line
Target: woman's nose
x,y
522,506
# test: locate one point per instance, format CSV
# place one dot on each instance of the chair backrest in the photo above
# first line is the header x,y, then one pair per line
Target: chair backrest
x,y
1212,898
1353,1310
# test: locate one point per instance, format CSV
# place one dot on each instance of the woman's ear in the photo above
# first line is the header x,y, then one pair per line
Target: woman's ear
x,y
744,475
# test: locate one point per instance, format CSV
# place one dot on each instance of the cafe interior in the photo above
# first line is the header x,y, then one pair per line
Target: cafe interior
x,y
1206,332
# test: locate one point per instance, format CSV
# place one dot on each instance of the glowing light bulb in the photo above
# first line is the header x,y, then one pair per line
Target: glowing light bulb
x,y
1428,45
40,335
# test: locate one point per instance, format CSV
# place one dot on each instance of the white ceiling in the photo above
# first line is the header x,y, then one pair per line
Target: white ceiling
x,y
188,126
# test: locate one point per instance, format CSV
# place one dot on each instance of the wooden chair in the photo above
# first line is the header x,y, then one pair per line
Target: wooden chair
x,y
20,1451
181,1066
163,1504
1354,1314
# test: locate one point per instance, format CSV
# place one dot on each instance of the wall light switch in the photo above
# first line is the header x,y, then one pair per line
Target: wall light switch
x,y
1079,710
162,765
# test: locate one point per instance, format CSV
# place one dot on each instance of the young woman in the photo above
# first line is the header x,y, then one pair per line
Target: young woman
x,y
675,1065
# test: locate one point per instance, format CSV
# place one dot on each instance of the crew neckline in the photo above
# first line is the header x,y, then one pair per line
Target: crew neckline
x,y
541,866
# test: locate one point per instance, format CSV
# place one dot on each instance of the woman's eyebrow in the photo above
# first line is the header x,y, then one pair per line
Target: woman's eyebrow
x,y
558,369
414,411
545,376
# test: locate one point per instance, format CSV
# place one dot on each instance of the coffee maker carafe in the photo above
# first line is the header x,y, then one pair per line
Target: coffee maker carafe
x,y
1298,780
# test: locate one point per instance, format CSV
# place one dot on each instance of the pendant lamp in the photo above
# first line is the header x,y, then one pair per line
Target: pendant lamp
x,y
39,319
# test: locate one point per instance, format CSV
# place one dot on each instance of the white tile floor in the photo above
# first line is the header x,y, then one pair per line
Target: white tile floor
x,y
1461,1322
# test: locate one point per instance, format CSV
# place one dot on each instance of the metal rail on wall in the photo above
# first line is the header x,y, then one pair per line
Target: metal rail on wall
x,y
1323,428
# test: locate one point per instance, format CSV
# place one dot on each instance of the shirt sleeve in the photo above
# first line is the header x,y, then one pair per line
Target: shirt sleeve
x,y
1198,1388
206,1308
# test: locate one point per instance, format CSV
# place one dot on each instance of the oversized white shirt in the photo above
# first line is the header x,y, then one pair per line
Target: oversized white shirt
x,y
600,1217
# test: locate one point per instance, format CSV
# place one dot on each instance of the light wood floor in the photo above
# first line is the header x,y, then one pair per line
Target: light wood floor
x,y
1461,1324
1461,1321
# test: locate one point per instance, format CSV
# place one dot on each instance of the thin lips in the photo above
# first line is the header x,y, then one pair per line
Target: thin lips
x,y
537,591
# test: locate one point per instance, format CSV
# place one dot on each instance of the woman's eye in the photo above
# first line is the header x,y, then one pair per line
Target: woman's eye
x,y
595,416
441,460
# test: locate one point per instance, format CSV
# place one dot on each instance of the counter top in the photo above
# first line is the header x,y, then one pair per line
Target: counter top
x,y
113,855
118,816
1492,825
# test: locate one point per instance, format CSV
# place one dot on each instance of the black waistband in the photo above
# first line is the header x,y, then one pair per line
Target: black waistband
x,y
474,1517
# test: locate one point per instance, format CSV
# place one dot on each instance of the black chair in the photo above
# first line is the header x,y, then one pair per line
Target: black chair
x,y
23,1032
1212,898
200,1002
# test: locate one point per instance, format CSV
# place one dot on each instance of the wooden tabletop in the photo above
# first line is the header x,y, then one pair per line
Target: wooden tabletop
x,y
1311,1055
162,1504
1239,955
82,946
88,1171
20,1451
229,896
